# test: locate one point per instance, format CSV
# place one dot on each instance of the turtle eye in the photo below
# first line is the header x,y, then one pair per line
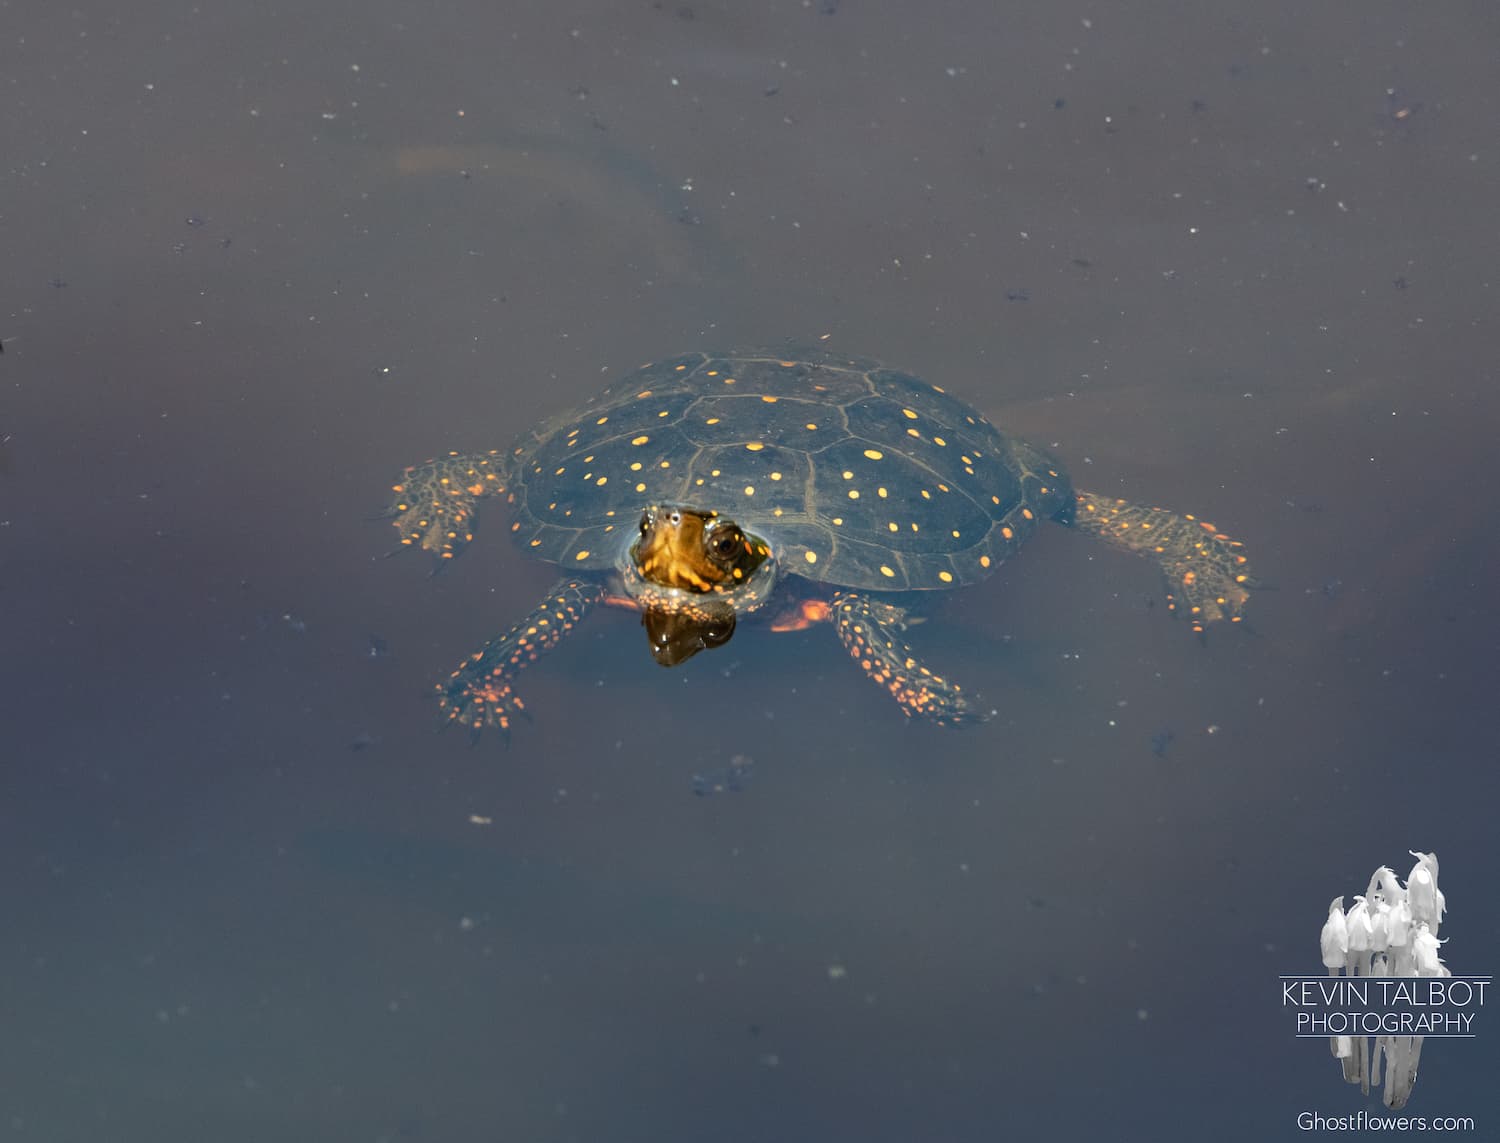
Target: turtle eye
x,y
727,544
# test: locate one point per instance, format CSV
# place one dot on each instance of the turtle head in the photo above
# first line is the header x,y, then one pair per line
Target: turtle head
x,y
691,550
692,571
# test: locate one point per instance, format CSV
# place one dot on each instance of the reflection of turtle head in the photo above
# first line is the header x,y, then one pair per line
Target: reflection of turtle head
x,y
691,570
675,637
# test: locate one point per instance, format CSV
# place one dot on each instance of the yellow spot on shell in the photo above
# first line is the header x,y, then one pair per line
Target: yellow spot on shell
x,y
913,433
838,520
810,557
885,571
640,488
583,555
749,490
908,414
874,454
984,561
1007,533
854,494
712,421
635,466
643,394
810,427
601,420
755,446
770,400
946,577
940,441
640,441
882,493
775,476
893,526
602,481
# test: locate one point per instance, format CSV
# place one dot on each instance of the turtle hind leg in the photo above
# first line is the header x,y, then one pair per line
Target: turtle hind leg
x,y
434,504
1207,574
871,633
479,694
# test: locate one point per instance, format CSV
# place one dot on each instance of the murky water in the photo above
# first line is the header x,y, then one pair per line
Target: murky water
x,y
1237,261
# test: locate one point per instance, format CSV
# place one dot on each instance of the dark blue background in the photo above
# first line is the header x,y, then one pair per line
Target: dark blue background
x,y
1237,260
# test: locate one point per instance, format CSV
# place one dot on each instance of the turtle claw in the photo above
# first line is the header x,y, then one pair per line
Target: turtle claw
x,y
1205,584
434,506
444,528
870,630
480,703
479,694
1207,575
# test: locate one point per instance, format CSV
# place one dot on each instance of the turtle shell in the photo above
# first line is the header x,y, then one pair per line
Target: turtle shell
x,y
857,475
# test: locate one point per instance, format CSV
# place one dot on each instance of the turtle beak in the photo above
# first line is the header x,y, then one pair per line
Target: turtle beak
x,y
675,638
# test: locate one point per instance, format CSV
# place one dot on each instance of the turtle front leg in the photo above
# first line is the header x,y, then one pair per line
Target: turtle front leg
x,y
871,633
434,507
479,693
1201,565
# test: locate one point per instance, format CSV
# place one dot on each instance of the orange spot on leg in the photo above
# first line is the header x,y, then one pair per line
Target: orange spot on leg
x,y
800,618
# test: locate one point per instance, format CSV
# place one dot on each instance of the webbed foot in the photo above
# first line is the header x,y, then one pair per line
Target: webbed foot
x,y
479,694
871,632
1207,574
435,503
